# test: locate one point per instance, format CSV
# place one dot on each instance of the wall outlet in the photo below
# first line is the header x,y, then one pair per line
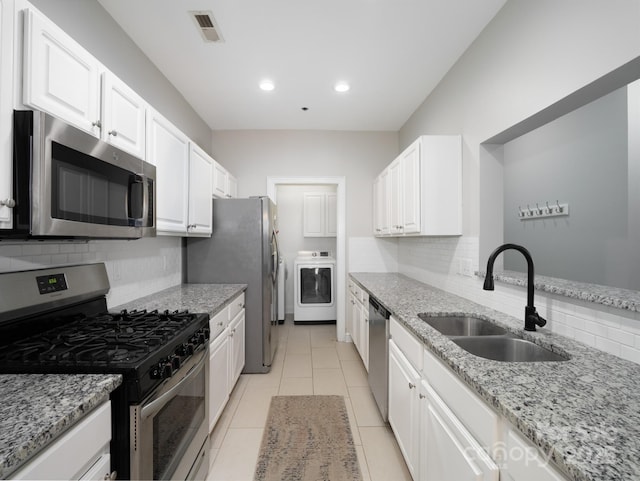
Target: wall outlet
x,y
466,267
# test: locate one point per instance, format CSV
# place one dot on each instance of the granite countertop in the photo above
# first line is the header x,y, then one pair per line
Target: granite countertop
x,y
583,413
37,408
605,295
197,298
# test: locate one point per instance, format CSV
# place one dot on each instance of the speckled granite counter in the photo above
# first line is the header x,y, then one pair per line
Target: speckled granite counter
x,y
605,295
37,408
583,413
210,298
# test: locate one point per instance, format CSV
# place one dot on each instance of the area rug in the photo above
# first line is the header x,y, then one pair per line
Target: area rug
x,y
307,438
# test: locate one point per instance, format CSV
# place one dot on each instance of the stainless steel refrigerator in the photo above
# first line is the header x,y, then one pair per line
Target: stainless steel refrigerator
x,y
243,249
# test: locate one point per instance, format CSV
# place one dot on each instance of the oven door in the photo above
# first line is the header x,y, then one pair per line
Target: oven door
x,y
169,429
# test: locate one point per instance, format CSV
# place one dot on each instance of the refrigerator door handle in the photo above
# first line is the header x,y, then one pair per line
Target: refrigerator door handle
x,y
274,256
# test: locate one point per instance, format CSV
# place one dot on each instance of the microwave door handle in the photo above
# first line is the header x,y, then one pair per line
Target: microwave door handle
x,y
136,182
157,404
145,198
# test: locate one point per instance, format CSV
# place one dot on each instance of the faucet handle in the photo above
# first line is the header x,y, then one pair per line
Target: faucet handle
x,y
532,319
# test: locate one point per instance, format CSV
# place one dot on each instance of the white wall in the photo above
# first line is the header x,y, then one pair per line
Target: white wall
x,y
529,57
290,226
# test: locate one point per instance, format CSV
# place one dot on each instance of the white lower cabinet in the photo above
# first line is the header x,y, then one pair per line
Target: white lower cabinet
x,y
218,378
81,453
236,348
359,322
444,430
523,461
448,451
404,408
226,355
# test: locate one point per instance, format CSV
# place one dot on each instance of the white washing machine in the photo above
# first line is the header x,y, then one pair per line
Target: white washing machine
x,y
314,287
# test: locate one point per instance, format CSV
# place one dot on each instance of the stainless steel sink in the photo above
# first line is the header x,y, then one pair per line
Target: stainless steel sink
x,y
507,348
462,325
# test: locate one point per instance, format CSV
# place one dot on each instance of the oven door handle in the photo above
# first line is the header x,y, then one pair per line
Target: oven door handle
x,y
157,404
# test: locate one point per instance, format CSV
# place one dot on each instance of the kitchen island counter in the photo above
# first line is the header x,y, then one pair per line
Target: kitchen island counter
x,y
584,413
35,409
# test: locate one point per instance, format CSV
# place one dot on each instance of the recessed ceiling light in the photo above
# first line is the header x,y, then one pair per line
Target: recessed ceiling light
x,y
267,85
341,87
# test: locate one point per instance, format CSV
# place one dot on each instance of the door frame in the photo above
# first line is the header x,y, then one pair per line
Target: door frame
x,y
341,251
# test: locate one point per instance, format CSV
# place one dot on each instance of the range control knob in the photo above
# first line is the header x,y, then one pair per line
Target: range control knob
x,y
175,362
167,371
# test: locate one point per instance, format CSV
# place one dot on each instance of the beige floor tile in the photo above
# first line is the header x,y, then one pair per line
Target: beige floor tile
x,y
329,382
229,410
236,460
354,373
355,433
324,358
298,346
253,407
365,407
347,351
383,456
297,365
362,460
296,386
323,335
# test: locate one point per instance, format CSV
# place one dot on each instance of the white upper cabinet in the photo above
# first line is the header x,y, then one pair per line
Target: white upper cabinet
x,y
168,149
200,207
320,214
420,192
62,78
225,185
123,116
6,113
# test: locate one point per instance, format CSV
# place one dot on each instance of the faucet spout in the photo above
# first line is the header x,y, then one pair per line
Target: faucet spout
x,y
531,316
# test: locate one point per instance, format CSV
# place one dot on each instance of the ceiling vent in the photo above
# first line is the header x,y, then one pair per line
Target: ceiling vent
x,y
207,26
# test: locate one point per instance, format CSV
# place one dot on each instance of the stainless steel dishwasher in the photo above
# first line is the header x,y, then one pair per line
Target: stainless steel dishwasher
x,y
379,355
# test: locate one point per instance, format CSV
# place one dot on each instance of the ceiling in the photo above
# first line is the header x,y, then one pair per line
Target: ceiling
x,y
391,52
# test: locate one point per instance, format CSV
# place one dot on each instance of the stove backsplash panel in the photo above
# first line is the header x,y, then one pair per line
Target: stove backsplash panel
x,y
136,268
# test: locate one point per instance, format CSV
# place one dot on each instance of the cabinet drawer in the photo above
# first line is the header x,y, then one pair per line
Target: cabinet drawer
x,y
407,343
236,306
525,462
364,298
479,418
218,322
73,453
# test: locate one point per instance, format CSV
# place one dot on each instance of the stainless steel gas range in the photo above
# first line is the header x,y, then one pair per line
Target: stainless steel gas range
x,y
56,321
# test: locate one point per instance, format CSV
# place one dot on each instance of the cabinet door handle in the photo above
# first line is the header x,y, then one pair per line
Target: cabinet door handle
x,y
411,385
97,123
422,396
10,203
220,323
114,133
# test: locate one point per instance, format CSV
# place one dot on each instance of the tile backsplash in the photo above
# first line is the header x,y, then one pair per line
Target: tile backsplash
x,y
444,263
136,268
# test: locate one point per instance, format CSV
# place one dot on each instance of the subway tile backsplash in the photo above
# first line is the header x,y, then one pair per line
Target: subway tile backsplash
x,y
438,262
136,268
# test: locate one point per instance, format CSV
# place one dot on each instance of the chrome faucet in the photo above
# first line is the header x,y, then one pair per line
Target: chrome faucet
x,y
531,316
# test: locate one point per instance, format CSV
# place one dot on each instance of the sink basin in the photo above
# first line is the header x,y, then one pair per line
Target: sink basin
x,y
462,325
506,348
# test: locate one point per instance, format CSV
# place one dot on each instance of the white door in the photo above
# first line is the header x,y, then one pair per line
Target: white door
x,y
200,190
449,450
168,149
331,215
411,189
6,115
218,378
236,333
220,181
395,197
314,214
60,77
404,409
123,116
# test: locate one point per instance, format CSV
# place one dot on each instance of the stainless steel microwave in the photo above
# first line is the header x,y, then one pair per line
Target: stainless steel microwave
x,y
67,183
